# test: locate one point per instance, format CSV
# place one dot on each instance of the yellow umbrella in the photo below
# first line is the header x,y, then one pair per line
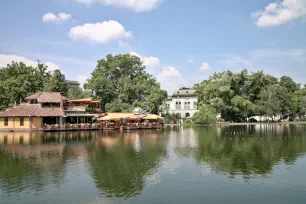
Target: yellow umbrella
x,y
117,116
153,117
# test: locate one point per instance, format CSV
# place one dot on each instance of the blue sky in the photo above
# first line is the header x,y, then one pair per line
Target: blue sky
x,y
181,41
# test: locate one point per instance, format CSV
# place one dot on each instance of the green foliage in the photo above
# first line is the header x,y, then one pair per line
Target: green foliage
x,y
238,96
78,93
17,81
246,154
269,103
57,83
188,122
207,115
122,83
172,118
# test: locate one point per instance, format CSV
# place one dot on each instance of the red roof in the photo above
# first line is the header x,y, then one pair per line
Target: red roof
x,y
26,110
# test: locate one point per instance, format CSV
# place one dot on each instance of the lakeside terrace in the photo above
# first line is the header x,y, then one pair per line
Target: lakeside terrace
x,y
130,121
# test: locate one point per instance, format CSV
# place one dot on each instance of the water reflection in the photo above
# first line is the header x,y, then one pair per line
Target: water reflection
x,y
247,150
118,164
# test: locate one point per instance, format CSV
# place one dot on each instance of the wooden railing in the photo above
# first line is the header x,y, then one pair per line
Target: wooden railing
x,y
59,127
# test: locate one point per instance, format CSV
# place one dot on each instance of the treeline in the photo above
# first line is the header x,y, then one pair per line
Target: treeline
x,y
120,82
17,81
239,96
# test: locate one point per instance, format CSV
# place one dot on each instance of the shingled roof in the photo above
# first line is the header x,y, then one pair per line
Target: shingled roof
x,y
47,97
184,92
26,110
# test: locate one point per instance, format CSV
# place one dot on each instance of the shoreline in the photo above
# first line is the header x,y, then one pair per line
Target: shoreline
x,y
237,124
266,123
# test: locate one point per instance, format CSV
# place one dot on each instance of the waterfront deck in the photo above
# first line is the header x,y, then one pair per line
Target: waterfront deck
x,y
76,127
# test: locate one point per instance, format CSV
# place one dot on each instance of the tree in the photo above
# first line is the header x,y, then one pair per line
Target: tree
x,y
122,83
18,80
57,83
173,118
239,96
269,104
289,84
78,93
232,94
206,115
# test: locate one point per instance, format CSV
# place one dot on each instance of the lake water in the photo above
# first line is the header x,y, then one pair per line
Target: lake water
x,y
237,164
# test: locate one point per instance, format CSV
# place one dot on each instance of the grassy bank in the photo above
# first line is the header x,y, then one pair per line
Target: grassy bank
x,y
265,123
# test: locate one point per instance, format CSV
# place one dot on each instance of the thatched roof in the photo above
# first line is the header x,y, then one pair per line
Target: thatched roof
x,y
152,117
84,101
118,116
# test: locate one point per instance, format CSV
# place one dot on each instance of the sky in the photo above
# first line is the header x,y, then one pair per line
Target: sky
x,y
181,42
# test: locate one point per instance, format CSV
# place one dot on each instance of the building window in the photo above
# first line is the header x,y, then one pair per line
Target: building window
x,y
194,105
5,121
21,140
178,106
187,105
22,121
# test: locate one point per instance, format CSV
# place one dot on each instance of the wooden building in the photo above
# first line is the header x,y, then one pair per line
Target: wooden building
x,y
47,108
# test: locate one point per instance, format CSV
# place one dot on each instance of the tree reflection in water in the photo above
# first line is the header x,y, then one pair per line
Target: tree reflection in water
x,y
249,150
120,163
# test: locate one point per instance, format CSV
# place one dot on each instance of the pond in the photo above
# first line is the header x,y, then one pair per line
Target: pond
x,y
229,164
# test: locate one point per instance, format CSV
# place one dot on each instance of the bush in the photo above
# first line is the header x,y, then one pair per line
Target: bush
x,y
207,115
188,122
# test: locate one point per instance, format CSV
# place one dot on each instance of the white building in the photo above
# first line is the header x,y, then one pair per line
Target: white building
x,y
183,101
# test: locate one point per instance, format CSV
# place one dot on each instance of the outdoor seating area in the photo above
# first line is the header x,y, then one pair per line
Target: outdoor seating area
x,y
130,121
71,127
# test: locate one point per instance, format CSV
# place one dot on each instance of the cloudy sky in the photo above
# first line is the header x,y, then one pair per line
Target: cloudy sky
x,y
180,41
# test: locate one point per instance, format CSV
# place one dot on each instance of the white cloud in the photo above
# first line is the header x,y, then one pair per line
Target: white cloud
x,y
135,5
234,61
8,59
81,79
171,79
204,67
104,32
280,12
122,44
190,61
278,54
60,18
147,61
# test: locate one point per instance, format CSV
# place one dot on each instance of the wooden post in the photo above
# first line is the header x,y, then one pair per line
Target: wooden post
x,y
30,122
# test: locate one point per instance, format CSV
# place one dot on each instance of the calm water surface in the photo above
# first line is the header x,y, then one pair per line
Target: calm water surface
x,y
238,164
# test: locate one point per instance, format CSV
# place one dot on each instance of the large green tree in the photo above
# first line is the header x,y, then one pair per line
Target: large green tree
x,y
17,81
122,83
269,103
238,96
78,93
57,83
